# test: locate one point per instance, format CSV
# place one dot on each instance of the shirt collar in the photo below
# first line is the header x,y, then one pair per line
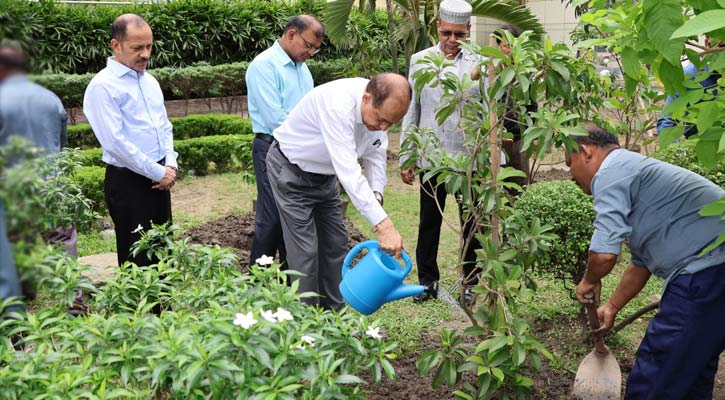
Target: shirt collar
x,y
15,78
282,55
119,69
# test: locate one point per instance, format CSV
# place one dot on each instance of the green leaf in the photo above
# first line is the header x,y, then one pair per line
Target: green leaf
x,y
498,373
630,63
661,19
630,85
706,151
669,135
716,208
709,113
345,379
701,23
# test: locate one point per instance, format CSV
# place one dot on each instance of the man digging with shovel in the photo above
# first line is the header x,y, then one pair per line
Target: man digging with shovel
x,y
653,207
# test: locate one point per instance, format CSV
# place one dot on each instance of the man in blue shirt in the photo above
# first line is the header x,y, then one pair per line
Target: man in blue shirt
x,y
36,114
276,81
653,207
708,81
125,107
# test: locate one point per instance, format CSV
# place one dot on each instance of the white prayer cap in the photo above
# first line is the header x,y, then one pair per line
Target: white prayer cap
x,y
455,11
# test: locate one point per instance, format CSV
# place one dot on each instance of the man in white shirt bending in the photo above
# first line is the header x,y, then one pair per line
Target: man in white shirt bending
x,y
317,146
125,107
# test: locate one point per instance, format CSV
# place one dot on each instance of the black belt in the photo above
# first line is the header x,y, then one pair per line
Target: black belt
x,y
161,162
267,138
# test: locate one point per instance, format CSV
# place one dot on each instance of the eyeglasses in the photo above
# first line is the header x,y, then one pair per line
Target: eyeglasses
x,y
309,46
457,34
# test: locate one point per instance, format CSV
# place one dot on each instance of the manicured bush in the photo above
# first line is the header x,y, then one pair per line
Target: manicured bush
x,y
188,127
683,155
570,212
74,38
90,180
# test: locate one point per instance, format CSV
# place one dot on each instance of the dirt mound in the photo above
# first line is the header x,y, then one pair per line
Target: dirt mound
x,y
237,231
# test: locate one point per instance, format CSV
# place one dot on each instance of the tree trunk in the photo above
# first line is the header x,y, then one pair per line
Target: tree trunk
x,y
393,45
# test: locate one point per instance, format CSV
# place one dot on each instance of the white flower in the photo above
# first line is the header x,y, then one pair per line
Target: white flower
x,y
283,315
264,260
373,333
138,229
244,320
308,339
268,315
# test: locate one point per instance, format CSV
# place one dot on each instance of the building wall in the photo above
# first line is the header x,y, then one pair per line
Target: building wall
x,y
558,21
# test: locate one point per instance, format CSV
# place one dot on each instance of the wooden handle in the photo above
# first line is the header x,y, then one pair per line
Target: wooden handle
x,y
594,322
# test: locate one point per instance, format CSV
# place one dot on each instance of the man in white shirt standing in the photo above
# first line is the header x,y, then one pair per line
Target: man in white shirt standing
x,y
125,107
453,26
318,146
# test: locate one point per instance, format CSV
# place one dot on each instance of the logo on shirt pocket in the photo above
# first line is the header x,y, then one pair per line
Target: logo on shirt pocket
x,y
377,143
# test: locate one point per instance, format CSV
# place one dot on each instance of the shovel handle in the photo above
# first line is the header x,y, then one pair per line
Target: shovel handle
x,y
594,322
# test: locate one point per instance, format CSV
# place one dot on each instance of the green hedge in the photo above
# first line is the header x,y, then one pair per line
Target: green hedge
x,y
74,38
90,180
683,155
197,156
188,127
200,81
227,152
570,211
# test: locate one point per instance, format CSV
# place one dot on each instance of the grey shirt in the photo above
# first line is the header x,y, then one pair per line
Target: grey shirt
x,y
33,112
653,207
423,107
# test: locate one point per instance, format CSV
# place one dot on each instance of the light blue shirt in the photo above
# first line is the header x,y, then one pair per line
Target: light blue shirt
x,y
126,111
653,207
32,112
275,84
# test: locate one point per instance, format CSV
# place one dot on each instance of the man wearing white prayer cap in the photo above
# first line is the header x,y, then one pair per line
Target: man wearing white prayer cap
x,y
453,25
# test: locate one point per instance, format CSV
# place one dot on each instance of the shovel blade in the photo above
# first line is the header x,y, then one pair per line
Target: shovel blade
x,y
598,378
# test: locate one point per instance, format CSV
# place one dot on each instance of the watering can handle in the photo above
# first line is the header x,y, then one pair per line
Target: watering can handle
x,y
594,322
370,245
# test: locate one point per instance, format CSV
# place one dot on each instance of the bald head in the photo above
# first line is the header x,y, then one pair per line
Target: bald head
x,y
389,85
119,28
386,99
12,60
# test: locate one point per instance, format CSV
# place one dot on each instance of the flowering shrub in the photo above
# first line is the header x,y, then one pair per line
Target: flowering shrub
x,y
222,334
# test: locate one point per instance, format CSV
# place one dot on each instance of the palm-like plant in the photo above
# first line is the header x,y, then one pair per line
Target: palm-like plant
x,y
417,29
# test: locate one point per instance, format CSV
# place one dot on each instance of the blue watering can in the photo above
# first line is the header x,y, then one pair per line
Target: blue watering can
x,y
376,279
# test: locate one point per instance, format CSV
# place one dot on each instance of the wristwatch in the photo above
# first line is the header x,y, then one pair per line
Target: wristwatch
x,y
379,197
176,169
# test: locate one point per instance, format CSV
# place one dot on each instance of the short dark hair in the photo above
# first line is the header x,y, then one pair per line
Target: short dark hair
x,y
119,27
508,28
381,87
303,22
12,57
597,136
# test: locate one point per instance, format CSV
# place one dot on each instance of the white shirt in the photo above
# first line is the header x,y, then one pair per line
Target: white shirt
x,y
325,134
126,111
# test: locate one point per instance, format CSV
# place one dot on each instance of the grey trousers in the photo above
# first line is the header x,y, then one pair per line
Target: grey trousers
x,y
314,231
9,282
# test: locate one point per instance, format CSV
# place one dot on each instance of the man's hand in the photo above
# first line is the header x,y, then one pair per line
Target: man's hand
x,y
607,313
389,239
587,292
167,181
408,175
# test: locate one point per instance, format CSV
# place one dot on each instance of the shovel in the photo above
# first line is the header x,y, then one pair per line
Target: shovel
x,y
598,376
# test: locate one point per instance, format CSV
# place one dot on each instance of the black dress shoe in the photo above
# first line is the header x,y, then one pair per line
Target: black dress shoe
x,y
430,292
469,298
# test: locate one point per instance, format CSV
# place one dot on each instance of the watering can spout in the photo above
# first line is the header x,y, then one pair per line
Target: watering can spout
x,y
404,291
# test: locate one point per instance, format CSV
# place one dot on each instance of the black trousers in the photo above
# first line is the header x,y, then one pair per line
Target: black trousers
x,y
131,202
268,239
429,234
